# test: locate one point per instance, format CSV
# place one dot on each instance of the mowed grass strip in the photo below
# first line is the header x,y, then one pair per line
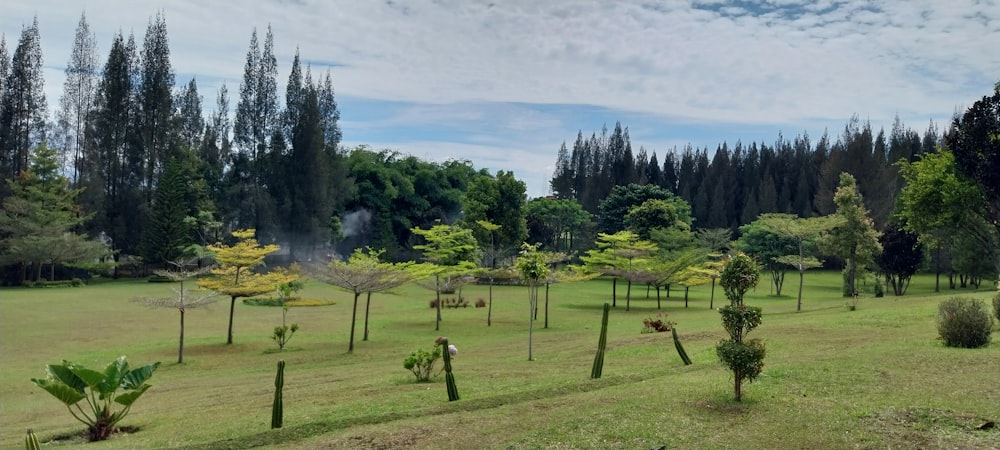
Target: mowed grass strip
x,y
833,378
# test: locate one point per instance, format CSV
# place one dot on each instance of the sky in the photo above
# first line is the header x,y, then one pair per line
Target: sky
x,y
504,83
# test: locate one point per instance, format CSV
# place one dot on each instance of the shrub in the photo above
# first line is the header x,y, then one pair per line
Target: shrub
x,y
996,306
480,303
657,325
964,322
421,363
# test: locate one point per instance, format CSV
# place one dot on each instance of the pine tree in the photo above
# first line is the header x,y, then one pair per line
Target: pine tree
x,y
155,103
854,240
190,123
167,236
23,109
114,161
79,91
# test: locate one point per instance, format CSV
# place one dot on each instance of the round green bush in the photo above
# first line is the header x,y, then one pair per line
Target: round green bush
x,y
964,322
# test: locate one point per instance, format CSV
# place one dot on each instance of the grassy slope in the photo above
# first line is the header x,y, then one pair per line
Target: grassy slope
x,y
875,377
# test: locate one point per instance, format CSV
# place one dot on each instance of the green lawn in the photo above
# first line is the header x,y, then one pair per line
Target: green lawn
x,y
872,378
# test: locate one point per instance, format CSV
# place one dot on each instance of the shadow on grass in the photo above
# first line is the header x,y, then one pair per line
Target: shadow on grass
x,y
304,431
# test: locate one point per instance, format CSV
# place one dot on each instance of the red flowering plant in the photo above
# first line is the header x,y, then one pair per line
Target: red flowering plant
x,y
657,325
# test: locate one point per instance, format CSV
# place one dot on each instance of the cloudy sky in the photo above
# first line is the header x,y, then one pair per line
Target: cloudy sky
x,y
504,83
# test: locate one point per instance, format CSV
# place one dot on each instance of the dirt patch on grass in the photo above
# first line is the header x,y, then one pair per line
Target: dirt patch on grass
x,y
933,428
722,407
400,438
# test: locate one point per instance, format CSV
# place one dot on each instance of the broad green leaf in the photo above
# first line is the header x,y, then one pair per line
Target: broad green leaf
x,y
113,375
129,397
136,377
66,394
62,373
91,378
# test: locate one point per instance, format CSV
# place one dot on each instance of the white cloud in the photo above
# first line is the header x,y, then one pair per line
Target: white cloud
x,y
787,62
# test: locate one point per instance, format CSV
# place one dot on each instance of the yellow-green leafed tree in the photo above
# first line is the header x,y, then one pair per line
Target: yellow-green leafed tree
x,y
235,276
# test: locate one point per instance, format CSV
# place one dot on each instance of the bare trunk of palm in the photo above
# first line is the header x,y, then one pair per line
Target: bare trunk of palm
x,y
368,303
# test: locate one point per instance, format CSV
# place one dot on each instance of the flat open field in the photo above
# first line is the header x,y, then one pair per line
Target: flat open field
x,y
876,377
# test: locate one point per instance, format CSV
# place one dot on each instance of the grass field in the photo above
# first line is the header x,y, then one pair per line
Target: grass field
x,y
876,377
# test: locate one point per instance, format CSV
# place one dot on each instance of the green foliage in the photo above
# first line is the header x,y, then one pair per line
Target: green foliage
x,y
975,142
283,334
421,363
278,406
964,322
602,342
499,200
71,383
901,256
738,276
854,239
996,306
680,347
656,213
614,209
745,359
739,320
556,223
166,236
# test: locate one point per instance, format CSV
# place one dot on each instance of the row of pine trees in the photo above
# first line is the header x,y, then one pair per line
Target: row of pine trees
x,y
732,185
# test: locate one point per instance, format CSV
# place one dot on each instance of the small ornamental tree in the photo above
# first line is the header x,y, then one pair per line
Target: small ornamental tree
x,y
183,298
534,271
451,249
363,272
744,357
235,276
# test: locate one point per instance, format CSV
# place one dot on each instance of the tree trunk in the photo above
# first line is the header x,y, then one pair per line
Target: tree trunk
x,y
628,295
489,311
180,348
711,300
686,295
232,309
437,292
368,303
532,300
354,315
614,292
657,296
802,275
546,305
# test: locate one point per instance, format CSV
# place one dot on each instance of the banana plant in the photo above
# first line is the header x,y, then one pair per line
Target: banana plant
x,y
72,383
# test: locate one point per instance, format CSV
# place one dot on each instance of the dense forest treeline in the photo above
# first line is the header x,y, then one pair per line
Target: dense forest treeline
x,y
732,185
130,168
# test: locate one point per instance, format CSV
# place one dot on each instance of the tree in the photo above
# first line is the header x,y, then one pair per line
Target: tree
x,y
499,200
190,123
79,93
155,103
804,233
975,141
656,213
167,235
744,357
854,239
235,276
310,202
37,219
183,298
452,250
555,223
534,270
621,254
613,209
941,205
23,109
363,273
766,245
114,163
901,256
256,119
